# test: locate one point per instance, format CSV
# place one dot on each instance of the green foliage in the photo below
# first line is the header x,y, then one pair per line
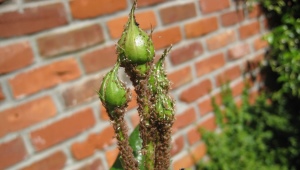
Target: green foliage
x,y
243,140
265,135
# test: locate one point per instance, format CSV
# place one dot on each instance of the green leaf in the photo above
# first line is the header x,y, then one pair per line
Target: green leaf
x,y
135,143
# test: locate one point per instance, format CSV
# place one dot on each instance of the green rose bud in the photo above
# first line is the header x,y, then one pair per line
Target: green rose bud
x,y
158,78
113,92
164,107
135,46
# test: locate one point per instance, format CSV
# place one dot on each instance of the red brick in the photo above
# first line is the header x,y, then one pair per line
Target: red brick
x,y
15,56
201,27
177,12
238,88
193,135
2,95
82,150
135,119
142,3
102,139
249,30
44,77
220,40
56,160
62,130
210,64
259,43
165,38
99,59
12,152
184,119
27,114
69,41
82,9
95,165
185,162
208,6
81,93
180,77
198,152
146,20
232,17
238,51
208,124
196,91
177,145
255,11
32,20
228,75
186,53
205,106
111,156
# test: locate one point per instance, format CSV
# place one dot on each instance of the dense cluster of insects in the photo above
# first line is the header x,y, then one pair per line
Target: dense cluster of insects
x,y
156,108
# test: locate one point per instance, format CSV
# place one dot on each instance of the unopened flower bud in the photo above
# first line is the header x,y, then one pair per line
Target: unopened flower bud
x,y
164,107
135,46
158,78
113,92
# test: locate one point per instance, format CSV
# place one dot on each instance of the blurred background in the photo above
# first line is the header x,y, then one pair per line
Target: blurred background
x,y
54,54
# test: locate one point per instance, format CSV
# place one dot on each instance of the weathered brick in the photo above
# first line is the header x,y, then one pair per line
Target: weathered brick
x,y
15,56
184,119
63,129
32,20
81,150
69,41
111,156
56,160
193,135
82,9
232,17
102,139
228,75
259,43
208,124
180,77
186,161
210,64
44,77
238,51
220,40
2,95
196,91
142,3
99,59
198,152
238,88
80,93
205,106
12,152
177,12
255,11
186,53
135,119
201,27
26,114
208,6
145,19
177,145
95,165
249,30
165,38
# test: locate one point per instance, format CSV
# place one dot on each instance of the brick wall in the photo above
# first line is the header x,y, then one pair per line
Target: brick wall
x,y
53,55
